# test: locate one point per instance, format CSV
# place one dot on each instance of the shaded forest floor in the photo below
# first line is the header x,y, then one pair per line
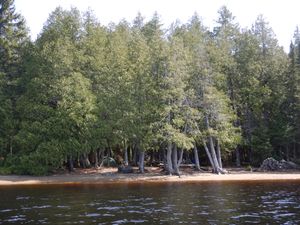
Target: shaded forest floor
x,y
153,174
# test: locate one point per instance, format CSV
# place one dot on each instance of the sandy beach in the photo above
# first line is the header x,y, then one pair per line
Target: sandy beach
x,y
110,175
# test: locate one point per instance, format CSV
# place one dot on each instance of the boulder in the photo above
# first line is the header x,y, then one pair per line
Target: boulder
x,y
125,169
271,164
108,162
288,165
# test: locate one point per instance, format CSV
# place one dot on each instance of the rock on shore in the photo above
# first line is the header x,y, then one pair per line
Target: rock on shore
x,y
271,164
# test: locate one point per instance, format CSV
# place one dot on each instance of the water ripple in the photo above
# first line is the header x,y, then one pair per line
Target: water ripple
x,y
163,204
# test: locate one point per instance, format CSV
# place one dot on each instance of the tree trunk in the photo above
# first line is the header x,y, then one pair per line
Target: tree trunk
x,y
107,156
169,150
96,159
187,157
151,158
70,163
294,150
141,160
10,146
213,154
219,154
238,157
169,159
81,162
160,152
208,154
164,154
134,156
86,161
180,157
129,154
78,161
125,156
217,168
287,153
250,154
102,155
175,160
197,163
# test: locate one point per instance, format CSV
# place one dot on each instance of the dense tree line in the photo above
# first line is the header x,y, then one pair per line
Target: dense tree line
x,y
140,93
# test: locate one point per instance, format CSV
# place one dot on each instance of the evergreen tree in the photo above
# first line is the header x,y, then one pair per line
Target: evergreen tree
x,y
291,106
13,39
57,108
225,36
261,70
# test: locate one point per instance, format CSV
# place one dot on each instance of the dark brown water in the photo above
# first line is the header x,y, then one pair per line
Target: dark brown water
x,y
200,203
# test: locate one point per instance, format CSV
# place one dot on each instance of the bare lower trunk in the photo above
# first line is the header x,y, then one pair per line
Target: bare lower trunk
x,y
78,161
169,151
287,153
208,154
213,155
294,151
217,168
10,146
169,159
187,157
159,156
108,156
100,155
180,157
164,154
197,163
175,160
86,161
250,154
96,159
135,155
219,154
70,163
238,157
141,161
125,156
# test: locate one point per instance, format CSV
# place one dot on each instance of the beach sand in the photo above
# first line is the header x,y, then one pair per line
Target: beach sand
x,y
153,174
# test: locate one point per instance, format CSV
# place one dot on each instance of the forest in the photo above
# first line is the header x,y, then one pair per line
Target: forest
x,y
142,94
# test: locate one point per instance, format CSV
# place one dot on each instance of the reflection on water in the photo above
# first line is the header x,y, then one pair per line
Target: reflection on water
x,y
198,203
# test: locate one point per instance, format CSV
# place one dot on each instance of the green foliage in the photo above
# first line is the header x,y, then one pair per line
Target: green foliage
x,y
261,146
32,164
13,38
5,171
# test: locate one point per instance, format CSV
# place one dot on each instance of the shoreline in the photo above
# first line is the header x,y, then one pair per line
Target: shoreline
x,y
110,176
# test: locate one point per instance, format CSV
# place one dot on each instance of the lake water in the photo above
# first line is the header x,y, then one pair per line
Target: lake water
x,y
191,203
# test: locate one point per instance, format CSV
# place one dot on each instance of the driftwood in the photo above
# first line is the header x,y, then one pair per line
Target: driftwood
x,y
271,164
